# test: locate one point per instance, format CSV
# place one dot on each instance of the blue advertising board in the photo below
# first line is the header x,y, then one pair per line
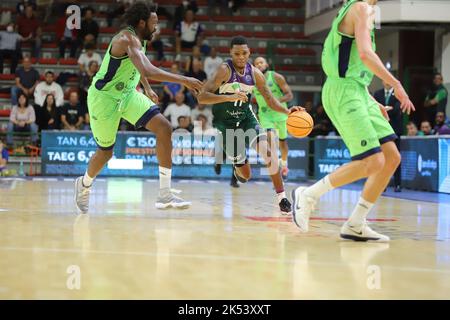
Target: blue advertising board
x,y
420,157
68,153
329,154
444,165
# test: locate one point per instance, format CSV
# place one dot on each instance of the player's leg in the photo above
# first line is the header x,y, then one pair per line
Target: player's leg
x,y
347,107
356,227
140,111
265,144
281,128
104,119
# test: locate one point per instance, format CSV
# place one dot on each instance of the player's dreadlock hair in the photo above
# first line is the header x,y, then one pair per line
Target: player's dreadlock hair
x,y
238,41
140,10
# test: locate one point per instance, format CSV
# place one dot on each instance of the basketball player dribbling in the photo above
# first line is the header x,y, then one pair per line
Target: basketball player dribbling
x,y
349,61
230,90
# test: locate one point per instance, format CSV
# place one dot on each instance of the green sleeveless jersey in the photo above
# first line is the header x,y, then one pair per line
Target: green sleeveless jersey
x,y
264,111
117,76
340,57
234,113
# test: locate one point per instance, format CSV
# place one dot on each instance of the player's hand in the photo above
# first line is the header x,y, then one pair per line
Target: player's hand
x,y
193,84
384,110
295,109
406,104
238,96
152,96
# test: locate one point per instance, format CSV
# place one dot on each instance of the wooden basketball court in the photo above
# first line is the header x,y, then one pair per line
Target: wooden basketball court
x,y
232,244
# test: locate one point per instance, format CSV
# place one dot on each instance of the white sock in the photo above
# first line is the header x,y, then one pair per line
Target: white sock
x,y
165,177
281,196
319,188
87,181
360,212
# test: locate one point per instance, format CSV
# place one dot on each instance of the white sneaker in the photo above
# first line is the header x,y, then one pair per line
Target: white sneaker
x,y
167,199
361,233
81,195
302,208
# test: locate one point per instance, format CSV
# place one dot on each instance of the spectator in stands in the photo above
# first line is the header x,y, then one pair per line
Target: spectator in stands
x,y
177,109
425,128
197,71
188,33
201,109
4,157
386,97
171,89
309,107
85,80
66,37
27,25
10,47
89,28
22,119
212,63
46,87
88,56
322,124
117,11
47,116
21,5
412,131
441,127
27,78
436,99
196,55
158,45
72,116
206,127
184,124
180,11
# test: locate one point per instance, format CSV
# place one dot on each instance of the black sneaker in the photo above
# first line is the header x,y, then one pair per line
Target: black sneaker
x,y
234,183
238,178
218,168
285,207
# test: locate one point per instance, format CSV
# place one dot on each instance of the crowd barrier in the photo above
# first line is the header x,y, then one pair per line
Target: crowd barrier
x,y
425,160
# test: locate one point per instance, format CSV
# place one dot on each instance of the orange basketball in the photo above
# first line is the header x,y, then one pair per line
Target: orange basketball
x,y
300,124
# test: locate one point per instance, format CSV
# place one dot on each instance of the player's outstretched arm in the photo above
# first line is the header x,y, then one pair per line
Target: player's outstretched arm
x,y
362,21
208,95
281,81
132,46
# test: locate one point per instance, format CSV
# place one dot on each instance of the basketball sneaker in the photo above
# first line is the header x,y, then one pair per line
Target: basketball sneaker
x,y
361,233
302,209
81,195
285,207
238,178
166,199
234,182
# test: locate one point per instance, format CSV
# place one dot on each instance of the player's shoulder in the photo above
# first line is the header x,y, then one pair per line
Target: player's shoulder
x,y
126,37
360,8
223,70
278,75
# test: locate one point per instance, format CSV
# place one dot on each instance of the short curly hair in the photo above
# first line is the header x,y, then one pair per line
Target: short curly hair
x,y
140,10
